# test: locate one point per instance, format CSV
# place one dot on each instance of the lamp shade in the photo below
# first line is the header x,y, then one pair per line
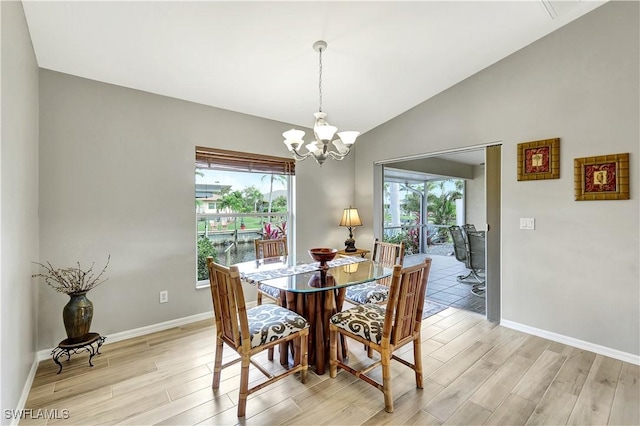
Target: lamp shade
x,y
350,218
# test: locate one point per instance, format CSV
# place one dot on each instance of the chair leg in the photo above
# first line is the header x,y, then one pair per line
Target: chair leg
x,y
259,302
478,289
386,381
417,360
244,386
304,357
333,351
217,365
464,277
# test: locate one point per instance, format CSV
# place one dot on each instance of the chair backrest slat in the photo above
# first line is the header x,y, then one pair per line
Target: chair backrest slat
x,y
388,254
468,227
228,303
406,302
271,248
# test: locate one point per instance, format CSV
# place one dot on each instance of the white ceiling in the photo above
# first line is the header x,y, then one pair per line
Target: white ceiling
x,y
383,58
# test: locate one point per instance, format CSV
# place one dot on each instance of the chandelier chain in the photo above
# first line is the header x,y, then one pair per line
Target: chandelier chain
x,y
320,81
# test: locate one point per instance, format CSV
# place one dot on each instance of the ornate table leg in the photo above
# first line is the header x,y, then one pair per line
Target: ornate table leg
x,y
57,353
92,351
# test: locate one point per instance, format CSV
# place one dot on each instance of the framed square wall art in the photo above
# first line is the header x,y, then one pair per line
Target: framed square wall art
x,y
539,160
605,177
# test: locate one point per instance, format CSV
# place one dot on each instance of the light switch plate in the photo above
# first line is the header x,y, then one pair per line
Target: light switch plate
x,y
528,223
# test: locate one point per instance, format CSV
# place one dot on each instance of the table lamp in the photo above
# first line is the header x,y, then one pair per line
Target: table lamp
x,y
350,219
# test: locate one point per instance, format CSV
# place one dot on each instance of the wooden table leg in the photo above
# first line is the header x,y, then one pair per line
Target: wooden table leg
x,y
317,308
319,333
310,314
341,292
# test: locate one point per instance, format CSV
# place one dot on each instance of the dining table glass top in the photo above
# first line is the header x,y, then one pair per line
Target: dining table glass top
x,y
310,277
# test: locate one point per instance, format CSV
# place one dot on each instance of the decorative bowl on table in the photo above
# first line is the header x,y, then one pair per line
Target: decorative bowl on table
x,y
323,255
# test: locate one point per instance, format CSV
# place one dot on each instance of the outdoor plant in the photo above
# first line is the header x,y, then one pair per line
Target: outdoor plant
x,y
72,280
205,249
410,241
272,231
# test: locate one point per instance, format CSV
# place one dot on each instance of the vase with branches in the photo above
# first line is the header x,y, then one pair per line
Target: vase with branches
x,y
77,314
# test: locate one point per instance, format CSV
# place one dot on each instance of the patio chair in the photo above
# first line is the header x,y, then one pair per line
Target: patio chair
x,y
460,248
468,227
251,331
477,260
385,330
388,254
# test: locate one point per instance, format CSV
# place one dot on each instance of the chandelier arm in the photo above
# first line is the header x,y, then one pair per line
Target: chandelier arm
x,y
337,156
300,157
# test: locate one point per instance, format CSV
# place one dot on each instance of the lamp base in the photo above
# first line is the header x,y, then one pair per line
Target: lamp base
x,y
350,245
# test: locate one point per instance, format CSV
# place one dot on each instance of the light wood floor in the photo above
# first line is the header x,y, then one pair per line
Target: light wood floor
x,y
475,373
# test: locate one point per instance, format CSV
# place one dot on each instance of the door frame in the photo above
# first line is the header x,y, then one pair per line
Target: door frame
x,y
493,207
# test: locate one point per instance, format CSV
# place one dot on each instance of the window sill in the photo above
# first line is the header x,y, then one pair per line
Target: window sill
x,y
202,284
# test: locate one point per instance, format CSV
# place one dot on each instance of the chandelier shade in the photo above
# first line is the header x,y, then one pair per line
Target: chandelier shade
x,y
323,132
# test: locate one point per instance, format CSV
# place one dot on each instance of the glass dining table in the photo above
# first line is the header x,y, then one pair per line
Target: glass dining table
x,y
314,292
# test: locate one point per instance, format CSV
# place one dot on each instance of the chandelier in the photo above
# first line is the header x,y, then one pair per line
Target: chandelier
x,y
323,131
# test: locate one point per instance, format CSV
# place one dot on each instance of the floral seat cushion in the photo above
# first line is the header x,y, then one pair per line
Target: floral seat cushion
x,y
271,291
367,293
365,321
270,322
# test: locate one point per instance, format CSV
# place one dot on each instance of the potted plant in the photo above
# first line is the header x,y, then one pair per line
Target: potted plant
x,y
75,282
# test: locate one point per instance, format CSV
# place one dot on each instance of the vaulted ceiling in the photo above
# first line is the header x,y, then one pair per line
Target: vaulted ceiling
x,y
383,57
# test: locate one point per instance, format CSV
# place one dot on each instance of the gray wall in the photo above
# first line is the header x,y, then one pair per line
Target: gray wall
x,y
475,207
576,275
105,151
19,202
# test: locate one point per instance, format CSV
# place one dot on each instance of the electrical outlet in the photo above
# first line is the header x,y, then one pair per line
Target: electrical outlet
x,y
164,296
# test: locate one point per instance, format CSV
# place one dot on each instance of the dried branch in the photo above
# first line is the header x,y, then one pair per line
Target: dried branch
x,y
71,280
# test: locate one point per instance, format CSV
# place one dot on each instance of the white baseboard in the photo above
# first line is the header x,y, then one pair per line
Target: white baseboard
x,y
581,344
25,391
137,332
112,338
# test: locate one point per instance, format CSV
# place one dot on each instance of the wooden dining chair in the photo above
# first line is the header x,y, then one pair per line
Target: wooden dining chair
x,y
385,330
265,249
387,254
251,331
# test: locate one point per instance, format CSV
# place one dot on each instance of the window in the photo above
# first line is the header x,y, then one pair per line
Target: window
x,y
238,197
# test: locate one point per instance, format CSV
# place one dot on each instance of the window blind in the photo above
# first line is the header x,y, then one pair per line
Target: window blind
x,y
220,159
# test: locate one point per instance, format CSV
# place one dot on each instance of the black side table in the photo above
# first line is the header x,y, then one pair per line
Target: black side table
x,y
68,348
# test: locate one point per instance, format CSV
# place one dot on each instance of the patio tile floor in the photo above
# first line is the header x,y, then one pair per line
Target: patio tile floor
x,y
443,286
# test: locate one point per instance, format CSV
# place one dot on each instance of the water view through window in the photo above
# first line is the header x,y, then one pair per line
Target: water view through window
x,y
233,209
